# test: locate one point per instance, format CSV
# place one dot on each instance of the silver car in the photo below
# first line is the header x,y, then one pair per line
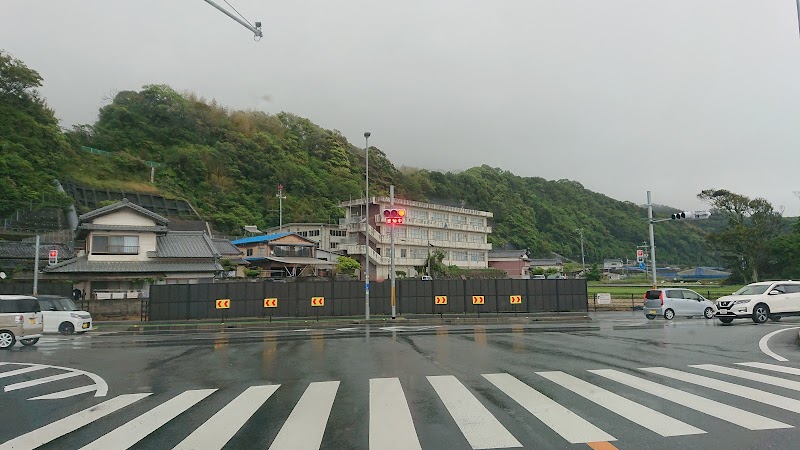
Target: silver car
x,y
671,302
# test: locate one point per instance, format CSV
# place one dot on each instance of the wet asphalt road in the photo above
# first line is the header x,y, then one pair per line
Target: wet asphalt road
x,y
461,410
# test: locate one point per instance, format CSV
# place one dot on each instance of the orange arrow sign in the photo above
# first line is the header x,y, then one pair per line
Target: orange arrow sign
x,y
270,303
317,301
440,300
516,299
478,300
223,303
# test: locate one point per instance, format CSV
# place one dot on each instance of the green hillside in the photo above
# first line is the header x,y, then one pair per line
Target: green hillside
x,y
228,164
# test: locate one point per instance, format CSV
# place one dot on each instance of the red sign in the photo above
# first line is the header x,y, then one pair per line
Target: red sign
x,y
639,253
223,303
317,301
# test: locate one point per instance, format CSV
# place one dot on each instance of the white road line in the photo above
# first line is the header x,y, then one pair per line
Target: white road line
x,y
55,430
67,393
222,426
636,413
306,424
15,372
101,386
756,395
566,423
772,367
761,378
26,384
390,424
713,408
478,425
139,428
762,344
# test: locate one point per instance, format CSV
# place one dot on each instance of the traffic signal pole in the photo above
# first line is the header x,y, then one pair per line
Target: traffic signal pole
x,y
652,239
392,273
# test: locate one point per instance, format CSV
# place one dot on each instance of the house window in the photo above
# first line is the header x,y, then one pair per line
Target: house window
x,y
403,253
476,238
249,252
459,256
418,233
313,233
418,214
339,233
115,245
459,237
476,221
458,220
334,245
438,217
476,256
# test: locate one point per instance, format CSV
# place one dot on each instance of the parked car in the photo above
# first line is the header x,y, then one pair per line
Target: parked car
x,y
20,319
62,316
761,301
538,276
669,302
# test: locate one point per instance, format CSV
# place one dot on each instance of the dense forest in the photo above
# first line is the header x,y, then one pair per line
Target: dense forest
x,y
229,163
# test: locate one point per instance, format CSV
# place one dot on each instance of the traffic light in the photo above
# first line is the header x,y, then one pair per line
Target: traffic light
x,y
692,215
394,216
53,257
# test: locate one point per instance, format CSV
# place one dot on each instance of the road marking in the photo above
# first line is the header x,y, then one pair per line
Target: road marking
x,y
55,430
636,413
67,393
26,384
222,426
302,330
601,446
478,425
566,423
761,378
100,387
738,390
772,367
713,408
347,329
306,424
390,422
32,368
139,428
762,344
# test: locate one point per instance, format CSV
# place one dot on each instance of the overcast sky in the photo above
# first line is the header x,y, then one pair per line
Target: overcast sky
x,y
623,96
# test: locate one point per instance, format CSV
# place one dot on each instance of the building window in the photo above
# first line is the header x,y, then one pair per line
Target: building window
x,y
249,252
303,233
418,214
438,217
334,245
339,233
403,253
418,233
438,235
459,237
477,239
115,245
477,256
459,255
313,233
458,220
291,250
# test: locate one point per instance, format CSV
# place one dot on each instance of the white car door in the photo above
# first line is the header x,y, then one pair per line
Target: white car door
x,y
694,303
792,294
778,300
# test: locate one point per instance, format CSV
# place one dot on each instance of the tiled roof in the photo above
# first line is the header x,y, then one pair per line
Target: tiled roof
x,y
261,238
185,244
27,250
508,254
138,228
82,265
546,262
125,203
224,247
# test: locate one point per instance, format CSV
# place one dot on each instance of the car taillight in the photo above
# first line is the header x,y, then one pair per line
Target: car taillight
x,y
19,319
661,297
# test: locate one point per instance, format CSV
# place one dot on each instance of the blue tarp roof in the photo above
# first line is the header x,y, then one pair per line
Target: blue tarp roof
x,y
262,238
703,273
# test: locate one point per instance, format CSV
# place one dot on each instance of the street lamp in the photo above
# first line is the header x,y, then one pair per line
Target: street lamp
x,y
366,228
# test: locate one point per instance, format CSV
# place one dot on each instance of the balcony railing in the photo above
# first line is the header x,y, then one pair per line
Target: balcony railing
x,y
117,250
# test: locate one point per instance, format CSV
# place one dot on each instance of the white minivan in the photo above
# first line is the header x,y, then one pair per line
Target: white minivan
x,y
62,316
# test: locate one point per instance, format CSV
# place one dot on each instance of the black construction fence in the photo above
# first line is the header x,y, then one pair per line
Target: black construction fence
x,y
346,298
43,288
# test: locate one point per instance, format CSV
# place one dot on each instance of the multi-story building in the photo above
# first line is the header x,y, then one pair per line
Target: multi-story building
x,y
461,234
330,237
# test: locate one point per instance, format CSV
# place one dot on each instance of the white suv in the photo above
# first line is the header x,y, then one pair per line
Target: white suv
x,y
761,301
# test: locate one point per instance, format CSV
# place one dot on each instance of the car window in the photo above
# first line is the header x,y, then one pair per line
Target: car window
x,y
7,306
691,295
752,289
780,288
65,304
653,295
792,288
46,305
674,293
27,305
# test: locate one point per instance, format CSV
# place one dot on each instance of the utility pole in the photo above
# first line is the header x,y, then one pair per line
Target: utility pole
x,y
392,274
36,269
366,228
280,207
652,239
583,258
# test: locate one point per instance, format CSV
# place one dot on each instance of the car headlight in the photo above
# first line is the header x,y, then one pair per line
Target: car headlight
x,y
739,302
74,316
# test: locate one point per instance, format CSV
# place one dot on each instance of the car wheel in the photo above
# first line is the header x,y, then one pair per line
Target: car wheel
x,y
7,339
27,342
775,318
669,314
760,313
725,319
650,316
708,313
66,328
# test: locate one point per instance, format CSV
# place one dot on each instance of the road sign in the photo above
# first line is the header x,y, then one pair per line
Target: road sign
x,y
440,300
270,303
604,298
223,303
641,265
515,299
478,299
639,253
317,301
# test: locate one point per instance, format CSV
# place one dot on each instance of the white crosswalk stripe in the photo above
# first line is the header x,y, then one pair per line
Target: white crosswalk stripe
x,y
772,367
761,378
137,429
569,425
713,408
757,395
306,424
478,425
644,416
390,424
59,428
219,429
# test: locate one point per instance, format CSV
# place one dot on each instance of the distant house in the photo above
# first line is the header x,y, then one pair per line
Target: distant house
x,y
613,265
231,256
545,264
124,248
21,256
515,263
282,255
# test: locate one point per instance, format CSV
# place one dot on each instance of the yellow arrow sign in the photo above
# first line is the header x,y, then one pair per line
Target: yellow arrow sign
x,y
440,300
516,299
270,303
223,303
478,300
317,301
